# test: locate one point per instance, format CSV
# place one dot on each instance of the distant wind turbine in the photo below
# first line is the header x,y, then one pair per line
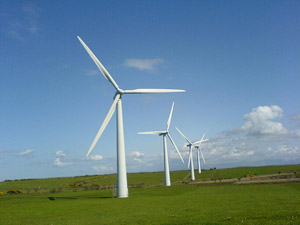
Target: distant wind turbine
x,y
190,145
117,103
164,134
198,154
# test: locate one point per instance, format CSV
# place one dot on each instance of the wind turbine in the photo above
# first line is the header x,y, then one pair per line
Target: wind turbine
x,y
164,134
190,145
117,103
198,153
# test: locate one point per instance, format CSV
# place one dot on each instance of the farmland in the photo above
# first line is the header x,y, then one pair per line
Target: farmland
x,y
89,199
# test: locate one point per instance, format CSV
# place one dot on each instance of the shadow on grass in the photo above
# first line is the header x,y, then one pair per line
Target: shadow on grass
x,y
71,198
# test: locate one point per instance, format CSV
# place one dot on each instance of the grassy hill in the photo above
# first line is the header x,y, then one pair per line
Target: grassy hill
x,y
88,199
66,184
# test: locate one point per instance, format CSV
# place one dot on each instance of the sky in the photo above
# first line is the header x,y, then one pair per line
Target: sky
x,y
239,62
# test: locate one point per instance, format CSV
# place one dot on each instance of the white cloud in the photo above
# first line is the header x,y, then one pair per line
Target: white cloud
x,y
60,154
173,154
143,64
103,168
136,156
61,159
250,153
287,149
296,117
91,72
234,153
27,23
94,157
30,10
269,141
259,121
59,162
26,152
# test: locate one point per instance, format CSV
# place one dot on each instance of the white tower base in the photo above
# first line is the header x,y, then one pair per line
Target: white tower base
x,y
198,159
166,163
192,166
121,171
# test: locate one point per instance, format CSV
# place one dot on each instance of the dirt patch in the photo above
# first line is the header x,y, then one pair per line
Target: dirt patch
x,y
270,176
270,181
261,179
215,181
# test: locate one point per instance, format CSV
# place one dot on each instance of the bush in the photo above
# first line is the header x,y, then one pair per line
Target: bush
x,y
77,184
72,184
14,191
1,193
251,175
95,187
53,190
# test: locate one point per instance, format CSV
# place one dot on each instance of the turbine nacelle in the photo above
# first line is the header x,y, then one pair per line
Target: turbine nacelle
x,y
164,133
120,91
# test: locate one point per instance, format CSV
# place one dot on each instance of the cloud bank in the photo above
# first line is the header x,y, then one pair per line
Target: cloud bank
x,y
60,159
26,152
259,121
94,157
143,64
21,28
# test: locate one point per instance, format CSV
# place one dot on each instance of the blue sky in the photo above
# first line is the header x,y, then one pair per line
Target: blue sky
x,y
239,62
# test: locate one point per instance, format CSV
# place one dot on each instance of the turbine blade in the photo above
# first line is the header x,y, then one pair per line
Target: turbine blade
x,y
183,136
202,155
104,124
98,63
203,137
201,141
153,132
170,117
148,91
171,139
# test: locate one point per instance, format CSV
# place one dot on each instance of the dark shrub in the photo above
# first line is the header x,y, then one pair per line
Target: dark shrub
x,y
14,191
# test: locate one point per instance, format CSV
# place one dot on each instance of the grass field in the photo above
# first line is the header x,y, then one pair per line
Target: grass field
x,y
152,203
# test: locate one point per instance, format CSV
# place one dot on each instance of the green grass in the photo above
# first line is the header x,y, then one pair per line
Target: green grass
x,y
154,203
178,204
147,179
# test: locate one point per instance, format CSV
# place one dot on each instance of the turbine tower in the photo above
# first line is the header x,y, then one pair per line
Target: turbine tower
x,y
117,103
164,134
190,146
198,154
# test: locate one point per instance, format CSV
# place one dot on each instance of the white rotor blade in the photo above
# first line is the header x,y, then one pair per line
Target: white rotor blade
x,y
183,136
201,141
171,139
98,63
152,132
104,124
203,137
202,155
170,117
147,91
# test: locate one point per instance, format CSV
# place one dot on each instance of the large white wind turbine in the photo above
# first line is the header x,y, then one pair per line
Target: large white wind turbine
x,y
191,145
198,154
117,103
164,134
